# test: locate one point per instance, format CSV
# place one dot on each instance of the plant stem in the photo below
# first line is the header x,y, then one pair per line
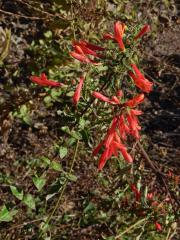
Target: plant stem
x,y
131,227
62,189
160,176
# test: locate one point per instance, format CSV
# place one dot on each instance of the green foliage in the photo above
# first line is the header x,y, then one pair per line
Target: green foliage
x,y
56,166
39,182
6,215
18,194
29,201
63,152
23,114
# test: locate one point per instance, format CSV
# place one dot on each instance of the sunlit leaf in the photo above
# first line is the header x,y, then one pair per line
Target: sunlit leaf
x,y
6,215
16,193
39,182
29,201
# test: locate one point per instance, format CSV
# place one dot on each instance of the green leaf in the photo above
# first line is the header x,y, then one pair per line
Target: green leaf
x,y
71,177
56,166
44,226
46,161
55,93
39,182
71,141
70,94
63,152
23,110
48,101
16,193
48,34
82,123
27,120
71,133
29,201
6,215
90,207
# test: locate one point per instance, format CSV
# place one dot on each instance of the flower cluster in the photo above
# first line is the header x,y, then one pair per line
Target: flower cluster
x,y
82,51
125,122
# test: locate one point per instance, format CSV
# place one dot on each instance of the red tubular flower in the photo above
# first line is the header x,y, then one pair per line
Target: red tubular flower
x,y
83,48
108,36
150,196
112,143
43,81
103,159
118,34
119,93
133,124
140,81
101,97
111,132
97,149
123,128
135,101
123,151
91,46
119,29
83,58
136,191
144,30
78,49
114,100
77,93
158,226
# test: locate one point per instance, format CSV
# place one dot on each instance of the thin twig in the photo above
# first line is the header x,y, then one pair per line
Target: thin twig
x,y
50,15
160,176
20,16
131,227
62,189
168,234
151,164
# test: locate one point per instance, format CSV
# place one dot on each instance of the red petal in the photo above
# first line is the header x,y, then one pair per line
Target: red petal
x,y
103,159
108,36
140,81
43,81
77,93
101,97
144,30
80,57
92,46
118,34
115,100
136,70
97,149
124,152
158,226
78,49
135,101
136,191
119,93
136,112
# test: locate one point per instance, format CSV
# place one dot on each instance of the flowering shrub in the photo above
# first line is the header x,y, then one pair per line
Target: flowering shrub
x,y
125,114
123,97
